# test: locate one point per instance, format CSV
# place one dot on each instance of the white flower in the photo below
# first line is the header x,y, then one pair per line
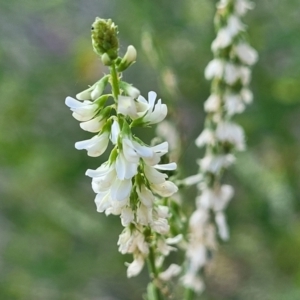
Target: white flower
x,y
95,91
150,113
245,75
136,266
242,6
216,199
82,111
144,215
246,53
94,125
154,176
159,222
127,106
233,104
172,271
130,55
222,226
145,196
234,25
94,146
197,254
232,73
128,159
157,152
165,189
214,163
223,40
198,219
131,241
246,95
207,137
127,216
125,169
115,132
164,248
194,282
231,133
213,103
174,240
215,68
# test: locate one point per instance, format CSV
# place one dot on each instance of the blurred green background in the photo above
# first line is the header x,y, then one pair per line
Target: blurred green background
x,y
53,243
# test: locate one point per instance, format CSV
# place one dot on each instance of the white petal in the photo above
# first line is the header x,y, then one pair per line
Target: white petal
x,y
154,176
124,168
126,106
129,151
127,216
165,189
145,196
222,226
115,132
120,190
166,167
94,146
172,271
135,267
94,125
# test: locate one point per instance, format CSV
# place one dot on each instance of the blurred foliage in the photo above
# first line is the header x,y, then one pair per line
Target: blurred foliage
x,y
54,245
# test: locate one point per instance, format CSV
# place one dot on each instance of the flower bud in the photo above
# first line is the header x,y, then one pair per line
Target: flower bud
x,y
130,90
105,38
128,59
86,94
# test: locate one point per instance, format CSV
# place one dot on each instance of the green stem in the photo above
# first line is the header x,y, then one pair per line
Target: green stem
x,y
189,294
114,82
154,274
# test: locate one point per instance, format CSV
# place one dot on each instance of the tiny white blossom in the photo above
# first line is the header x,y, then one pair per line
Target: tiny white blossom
x,y
223,40
127,107
214,163
234,25
151,113
213,103
246,53
242,6
165,189
207,137
172,271
95,146
231,133
215,68
247,95
233,103
136,266
82,111
127,216
194,282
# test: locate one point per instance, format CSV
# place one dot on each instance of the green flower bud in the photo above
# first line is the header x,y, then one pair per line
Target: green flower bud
x,y
105,38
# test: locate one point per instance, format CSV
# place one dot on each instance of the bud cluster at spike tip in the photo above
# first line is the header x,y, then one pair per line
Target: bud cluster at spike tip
x,y
105,38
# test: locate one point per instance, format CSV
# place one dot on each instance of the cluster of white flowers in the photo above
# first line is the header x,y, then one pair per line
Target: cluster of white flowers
x,y
230,74
128,183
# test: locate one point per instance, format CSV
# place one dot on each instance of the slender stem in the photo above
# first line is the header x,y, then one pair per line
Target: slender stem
x,y
114,81
154,274
189,294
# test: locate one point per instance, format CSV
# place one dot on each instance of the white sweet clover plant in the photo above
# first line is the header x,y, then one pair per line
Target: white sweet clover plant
x,y
132,183
230,74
